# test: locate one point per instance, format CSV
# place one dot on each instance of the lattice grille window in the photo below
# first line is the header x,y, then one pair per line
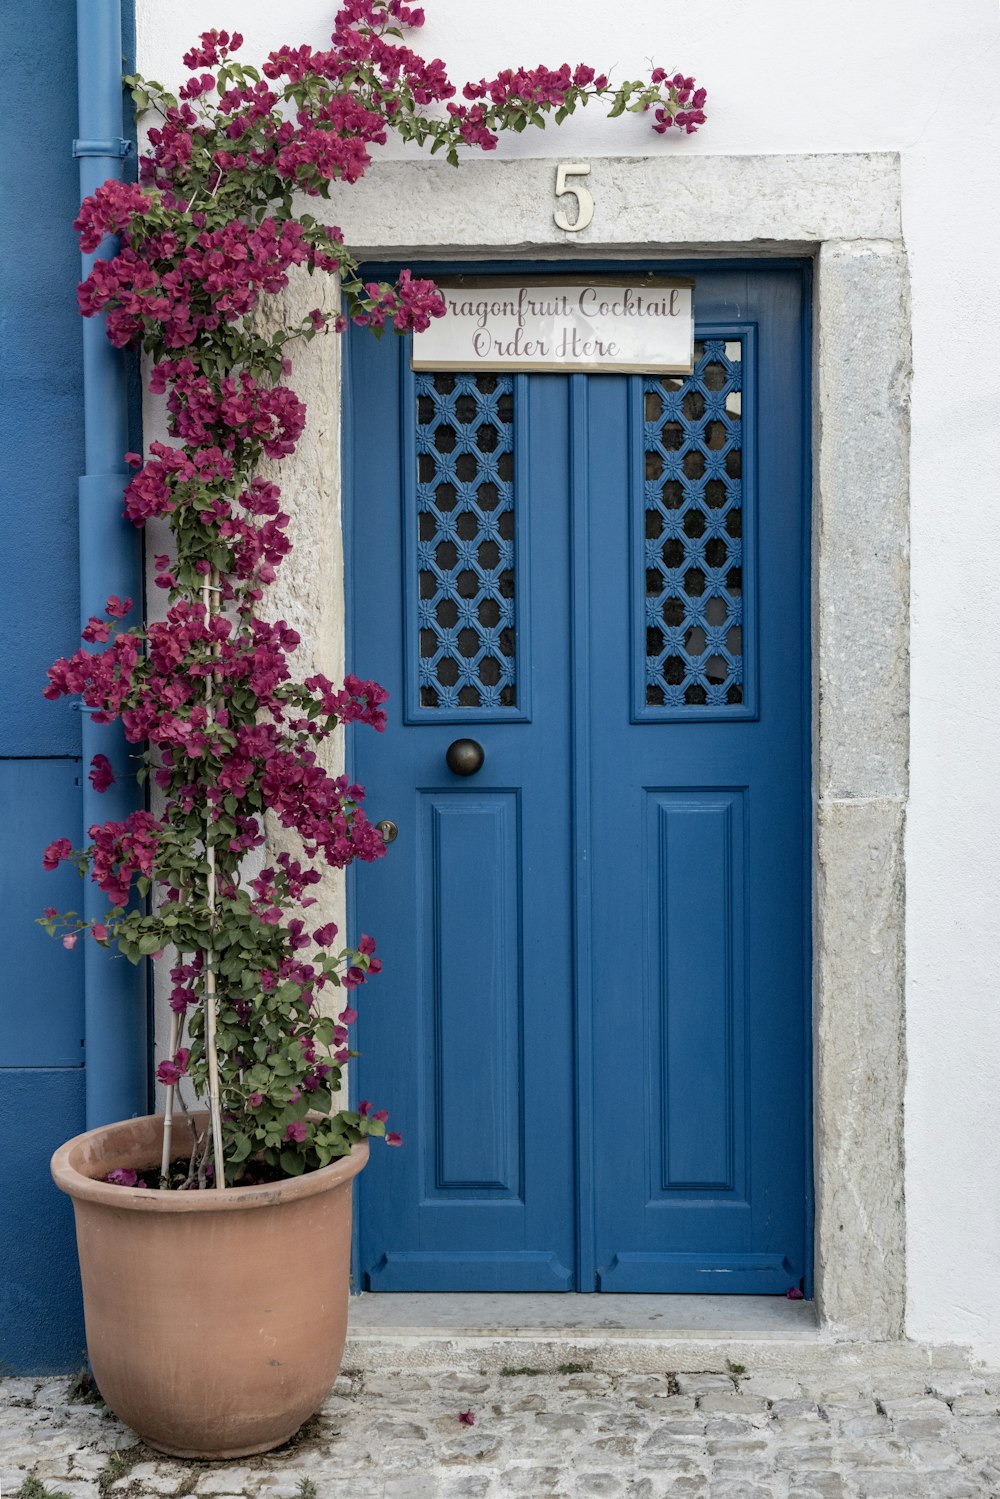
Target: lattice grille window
x,y
465,544
693,510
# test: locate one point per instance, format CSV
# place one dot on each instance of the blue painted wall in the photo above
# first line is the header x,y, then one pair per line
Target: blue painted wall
x,y
41,428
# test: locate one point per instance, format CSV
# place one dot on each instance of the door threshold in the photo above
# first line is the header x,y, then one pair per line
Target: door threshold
x,y
477,1313
480,1332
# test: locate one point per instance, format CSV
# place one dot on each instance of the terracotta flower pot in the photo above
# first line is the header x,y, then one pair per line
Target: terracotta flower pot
x,y
215,1320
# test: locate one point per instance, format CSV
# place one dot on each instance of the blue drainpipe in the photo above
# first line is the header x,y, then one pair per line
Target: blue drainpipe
x,y
110,562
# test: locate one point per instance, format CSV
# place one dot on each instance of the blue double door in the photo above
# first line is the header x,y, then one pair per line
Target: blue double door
x,y
591,1028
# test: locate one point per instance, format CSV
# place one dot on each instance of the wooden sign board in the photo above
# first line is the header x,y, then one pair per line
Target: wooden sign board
x,y
632,325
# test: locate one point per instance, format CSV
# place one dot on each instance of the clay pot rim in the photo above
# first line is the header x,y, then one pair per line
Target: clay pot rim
x,y
77,1184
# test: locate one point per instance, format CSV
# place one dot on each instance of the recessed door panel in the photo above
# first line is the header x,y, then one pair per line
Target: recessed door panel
x,y
471,941
696,989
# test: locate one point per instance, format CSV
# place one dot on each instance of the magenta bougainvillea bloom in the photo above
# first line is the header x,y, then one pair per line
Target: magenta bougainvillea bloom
x,y
206,696
124,1177
171,1072
56,852
100,773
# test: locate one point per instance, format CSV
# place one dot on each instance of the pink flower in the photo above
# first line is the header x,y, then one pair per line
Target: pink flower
x,y
467,1418
381,1115
364,1108
96,630
101,774
392,1138
297,1131
124,1177
324,935
69,940
56,852
256,1099
366,944
49,912
118,608
170,1073
109,211
99,931
794,1294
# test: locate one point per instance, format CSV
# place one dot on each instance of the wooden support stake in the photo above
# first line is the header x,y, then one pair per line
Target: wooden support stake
x,y
209,595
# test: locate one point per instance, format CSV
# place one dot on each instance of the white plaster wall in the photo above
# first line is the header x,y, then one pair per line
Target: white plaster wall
x,y
919,77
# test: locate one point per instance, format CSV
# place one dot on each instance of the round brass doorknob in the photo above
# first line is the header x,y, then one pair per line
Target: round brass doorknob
x,y
465,756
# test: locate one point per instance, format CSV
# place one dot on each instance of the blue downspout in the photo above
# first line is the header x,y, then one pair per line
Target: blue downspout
x,y
110,563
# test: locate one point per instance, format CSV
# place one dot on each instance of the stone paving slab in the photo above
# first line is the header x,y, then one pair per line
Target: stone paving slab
x,y
586,1434
623,1349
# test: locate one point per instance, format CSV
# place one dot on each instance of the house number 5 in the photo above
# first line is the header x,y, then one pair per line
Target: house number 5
x,y
584,202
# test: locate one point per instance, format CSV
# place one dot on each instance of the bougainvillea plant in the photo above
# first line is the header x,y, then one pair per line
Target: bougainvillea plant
x,y
209,233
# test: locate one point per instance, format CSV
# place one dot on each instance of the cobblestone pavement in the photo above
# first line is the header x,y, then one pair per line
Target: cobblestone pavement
x,y
574,1435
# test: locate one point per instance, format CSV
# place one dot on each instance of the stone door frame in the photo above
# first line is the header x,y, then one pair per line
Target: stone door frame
x,y
844,212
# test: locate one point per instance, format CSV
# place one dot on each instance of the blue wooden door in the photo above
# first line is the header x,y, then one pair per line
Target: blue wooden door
x,y
591,1027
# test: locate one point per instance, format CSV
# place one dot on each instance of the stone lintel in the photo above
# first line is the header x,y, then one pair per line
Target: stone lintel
x,y
642,205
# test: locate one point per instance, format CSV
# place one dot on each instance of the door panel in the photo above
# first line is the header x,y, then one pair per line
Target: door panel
x,y
591,1027
699,1144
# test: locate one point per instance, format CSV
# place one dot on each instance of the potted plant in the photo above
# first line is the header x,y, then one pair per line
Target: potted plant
x,y
214,1239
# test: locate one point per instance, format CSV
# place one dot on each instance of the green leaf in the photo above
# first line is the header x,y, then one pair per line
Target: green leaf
x,y
292,1163
241,1148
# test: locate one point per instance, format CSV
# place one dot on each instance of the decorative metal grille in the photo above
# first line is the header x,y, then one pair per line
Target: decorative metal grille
x,y
693,531
465,545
